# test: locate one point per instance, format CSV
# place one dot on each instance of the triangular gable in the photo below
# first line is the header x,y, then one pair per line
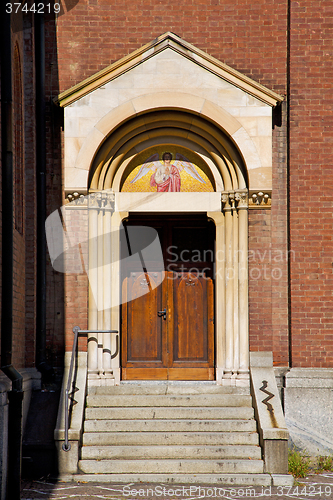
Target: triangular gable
x,y
171,41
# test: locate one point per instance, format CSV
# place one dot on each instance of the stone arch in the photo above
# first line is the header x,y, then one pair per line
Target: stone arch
x,y
219,126
227,206
174,126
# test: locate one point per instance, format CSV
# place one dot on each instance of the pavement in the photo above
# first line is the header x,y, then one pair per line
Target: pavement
x,y
315,486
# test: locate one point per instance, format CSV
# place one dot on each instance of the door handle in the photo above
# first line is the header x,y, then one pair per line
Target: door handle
x,y
163,313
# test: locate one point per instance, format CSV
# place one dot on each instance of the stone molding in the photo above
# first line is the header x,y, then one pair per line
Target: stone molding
x,y
100,200
260,199
234,200
76,199
168,40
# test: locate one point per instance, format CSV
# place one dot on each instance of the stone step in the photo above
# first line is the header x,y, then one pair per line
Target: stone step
x,y
199,413
175,426
206,400
168,452
170,438
222,480
171,466
161,388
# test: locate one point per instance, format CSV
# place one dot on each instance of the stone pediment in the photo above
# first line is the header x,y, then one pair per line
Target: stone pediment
x,y
150,51
168,74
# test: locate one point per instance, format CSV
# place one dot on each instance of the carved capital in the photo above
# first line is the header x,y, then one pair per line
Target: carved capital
x,y
94,200
228,200
225,198
260,199
242,199
108,200
102,200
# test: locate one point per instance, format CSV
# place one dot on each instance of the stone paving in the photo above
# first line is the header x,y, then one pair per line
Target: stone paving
x,y
317,486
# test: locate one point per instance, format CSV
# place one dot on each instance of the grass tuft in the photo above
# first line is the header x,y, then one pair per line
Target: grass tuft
x,y
324,463
298,463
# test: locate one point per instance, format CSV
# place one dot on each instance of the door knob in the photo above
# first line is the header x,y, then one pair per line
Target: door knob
x,y
163,313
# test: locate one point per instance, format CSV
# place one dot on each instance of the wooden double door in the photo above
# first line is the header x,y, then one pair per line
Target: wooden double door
x,y
168,315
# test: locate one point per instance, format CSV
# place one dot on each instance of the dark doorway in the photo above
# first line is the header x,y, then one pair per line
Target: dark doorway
x,y
168,317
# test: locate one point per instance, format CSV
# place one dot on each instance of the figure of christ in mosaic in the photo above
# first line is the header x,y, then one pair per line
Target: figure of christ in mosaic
x,y
166,176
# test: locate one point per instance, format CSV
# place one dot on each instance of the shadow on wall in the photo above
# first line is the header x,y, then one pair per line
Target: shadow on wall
x,y
38,447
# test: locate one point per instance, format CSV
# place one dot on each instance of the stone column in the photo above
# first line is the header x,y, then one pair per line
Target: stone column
x,y
236,288
101,206
236,364
108,206
100,281
93,208
116,224
242,199
229,286
218,218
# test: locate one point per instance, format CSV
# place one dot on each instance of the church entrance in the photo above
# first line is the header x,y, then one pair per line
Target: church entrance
x,y
167,317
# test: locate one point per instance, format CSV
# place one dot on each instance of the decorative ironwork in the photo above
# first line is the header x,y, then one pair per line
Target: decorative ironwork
x,y
270,395
162,314
189,282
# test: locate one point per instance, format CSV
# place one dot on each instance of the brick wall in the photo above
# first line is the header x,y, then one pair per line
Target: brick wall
x,y
18,343
279,239
30,199
311,179
252,38
55,303
98,32
76,279
249,36
260,281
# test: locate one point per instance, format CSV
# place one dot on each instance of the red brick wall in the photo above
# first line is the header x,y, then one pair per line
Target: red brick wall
x,y
55,304
18,345
260,281
76,279
311,180
30,200
98,32
279,239
249,36
252,38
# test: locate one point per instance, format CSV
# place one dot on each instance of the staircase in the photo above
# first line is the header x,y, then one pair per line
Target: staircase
x,y
171,432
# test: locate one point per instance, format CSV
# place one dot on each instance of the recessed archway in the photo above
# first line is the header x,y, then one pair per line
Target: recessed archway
x,y
200,135
226,206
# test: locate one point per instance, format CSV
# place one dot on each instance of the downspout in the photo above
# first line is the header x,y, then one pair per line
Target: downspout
x,y
288,181
41,195
15,396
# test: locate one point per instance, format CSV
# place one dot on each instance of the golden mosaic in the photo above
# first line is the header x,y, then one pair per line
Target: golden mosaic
x,y
167,169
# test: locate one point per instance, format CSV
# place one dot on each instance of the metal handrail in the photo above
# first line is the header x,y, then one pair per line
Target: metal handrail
x,y
66,446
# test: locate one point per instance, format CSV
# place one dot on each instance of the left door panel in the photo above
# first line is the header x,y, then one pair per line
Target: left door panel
x,y
144,347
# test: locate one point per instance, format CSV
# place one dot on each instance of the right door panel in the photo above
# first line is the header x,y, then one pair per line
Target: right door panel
x,y
191,326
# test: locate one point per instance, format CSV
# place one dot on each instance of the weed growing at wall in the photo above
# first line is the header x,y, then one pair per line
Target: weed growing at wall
x,y
298,463
324,463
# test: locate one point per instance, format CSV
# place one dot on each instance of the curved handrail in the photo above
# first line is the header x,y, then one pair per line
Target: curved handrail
x,y
66,446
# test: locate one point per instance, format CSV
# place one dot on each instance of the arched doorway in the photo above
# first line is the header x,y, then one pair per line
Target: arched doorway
x,y
217,157
167,312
